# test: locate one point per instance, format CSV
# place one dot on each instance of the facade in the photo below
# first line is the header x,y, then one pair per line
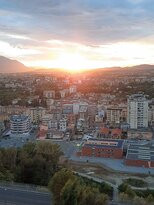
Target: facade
x,y
63,125
140,155
139,134
49,94
2,127
151,115
137,107
46,120
72,89
103,148
80,125
114,115
20,124
37,114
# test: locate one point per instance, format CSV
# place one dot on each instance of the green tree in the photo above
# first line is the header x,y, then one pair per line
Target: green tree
x,y
123,187
57,183
101,199
131,194
150,199
69,193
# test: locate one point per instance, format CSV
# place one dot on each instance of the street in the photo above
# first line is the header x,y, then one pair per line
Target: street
x,y
16,196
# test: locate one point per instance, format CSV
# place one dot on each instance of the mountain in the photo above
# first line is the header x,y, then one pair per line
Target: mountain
x,y
12,66
132,70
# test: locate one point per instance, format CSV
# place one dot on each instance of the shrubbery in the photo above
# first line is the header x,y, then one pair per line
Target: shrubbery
x,y
69,189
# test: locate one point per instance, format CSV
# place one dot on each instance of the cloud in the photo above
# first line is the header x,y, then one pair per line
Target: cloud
x,y
52,26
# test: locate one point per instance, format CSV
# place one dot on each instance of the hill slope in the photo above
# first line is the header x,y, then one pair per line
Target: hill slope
x,y
11,66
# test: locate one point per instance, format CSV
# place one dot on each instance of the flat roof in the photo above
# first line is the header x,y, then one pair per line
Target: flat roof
x,y
18,118
141,152
104,143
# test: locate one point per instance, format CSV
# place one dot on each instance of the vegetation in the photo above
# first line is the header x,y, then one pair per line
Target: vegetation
x,y
9,94
69,189
33,163
136,197
135,182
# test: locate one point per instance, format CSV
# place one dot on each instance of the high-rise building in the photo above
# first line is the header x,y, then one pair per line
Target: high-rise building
x,y
137,111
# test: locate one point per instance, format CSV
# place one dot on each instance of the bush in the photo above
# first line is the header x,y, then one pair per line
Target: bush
x,y
135,182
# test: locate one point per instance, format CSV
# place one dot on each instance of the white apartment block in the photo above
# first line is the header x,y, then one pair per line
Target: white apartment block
x,y
20,124
137,111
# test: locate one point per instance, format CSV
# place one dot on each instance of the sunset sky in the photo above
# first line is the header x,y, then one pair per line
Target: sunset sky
x,y
76,34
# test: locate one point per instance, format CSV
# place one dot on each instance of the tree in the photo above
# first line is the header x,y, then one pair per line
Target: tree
x,y
150,199
50,152
89,196
138,201
101,199
69,193
57,183
131,194
106,189
123,197
9,158
123,187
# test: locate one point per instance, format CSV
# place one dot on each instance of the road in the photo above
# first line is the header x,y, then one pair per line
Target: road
x,y
16,196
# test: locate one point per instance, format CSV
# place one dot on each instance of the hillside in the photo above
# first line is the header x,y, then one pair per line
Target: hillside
x,y
12,66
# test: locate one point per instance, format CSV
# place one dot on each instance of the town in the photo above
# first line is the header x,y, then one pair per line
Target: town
x,y
87,124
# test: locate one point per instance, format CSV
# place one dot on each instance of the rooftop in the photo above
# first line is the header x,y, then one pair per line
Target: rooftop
x,y
18,118
141,152
106,143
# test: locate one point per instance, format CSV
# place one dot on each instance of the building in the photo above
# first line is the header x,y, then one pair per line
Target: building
x,y
64,93
103,148
67,109
37,114
46,119
140,155
42,134
83,112
72,89
20,124
49,94
137,107
80,125
104,132
114,115
139,134
55,134
116,133
63,125
2,127
151,115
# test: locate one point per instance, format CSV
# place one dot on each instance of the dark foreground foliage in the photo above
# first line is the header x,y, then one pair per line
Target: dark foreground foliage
x,y
34,163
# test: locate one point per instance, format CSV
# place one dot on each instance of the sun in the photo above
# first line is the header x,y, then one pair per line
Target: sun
x,y
72,62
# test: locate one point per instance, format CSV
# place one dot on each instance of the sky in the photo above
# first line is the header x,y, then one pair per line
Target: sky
x,y
77,34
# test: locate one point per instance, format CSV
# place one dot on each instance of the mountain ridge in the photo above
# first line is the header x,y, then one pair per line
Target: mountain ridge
x,y
13,66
